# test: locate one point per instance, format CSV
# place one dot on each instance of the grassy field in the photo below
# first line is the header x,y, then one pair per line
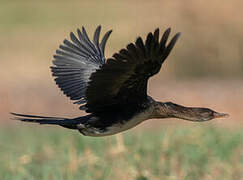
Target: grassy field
x,y
199,152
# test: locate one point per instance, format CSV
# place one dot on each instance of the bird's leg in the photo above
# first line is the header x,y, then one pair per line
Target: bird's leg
x,y
89,130
81,128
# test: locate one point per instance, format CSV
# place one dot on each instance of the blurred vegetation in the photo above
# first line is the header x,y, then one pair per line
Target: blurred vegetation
x,y
173,153
210,47
211,43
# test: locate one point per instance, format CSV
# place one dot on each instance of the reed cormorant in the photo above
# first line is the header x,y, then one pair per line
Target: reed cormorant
x,y
114,91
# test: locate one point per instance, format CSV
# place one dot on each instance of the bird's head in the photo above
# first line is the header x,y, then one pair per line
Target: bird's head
x,y
204,114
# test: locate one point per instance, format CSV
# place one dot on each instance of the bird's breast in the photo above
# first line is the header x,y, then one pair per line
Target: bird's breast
x,y
121,125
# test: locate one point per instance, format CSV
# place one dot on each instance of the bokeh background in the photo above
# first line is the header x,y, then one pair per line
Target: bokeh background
x,y
204,69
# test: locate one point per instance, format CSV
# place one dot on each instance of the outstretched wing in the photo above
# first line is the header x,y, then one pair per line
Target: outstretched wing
x,y
122,81
75,61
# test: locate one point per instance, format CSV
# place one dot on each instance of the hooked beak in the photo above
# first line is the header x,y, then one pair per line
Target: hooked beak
x,y
220,115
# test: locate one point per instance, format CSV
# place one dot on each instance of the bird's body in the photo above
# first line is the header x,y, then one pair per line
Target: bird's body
x,y
113,91
118,122
118,126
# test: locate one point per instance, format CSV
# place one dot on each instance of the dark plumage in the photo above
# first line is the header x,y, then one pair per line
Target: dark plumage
x,y
113,91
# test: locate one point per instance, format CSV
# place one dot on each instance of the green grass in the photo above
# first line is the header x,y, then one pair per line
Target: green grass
x,y
171,153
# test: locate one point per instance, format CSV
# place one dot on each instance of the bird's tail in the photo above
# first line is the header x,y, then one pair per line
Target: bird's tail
x,y
64,122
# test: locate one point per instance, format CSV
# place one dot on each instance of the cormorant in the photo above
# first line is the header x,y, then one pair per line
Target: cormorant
x,y
114,91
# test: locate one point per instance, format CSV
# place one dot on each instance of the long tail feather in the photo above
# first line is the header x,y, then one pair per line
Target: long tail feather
x,y
64,122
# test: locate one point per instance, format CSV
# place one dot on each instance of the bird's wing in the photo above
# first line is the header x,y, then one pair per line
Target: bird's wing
x,y
122,81
75,61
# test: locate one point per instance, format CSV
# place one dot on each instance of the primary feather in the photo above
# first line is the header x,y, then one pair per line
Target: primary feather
x,y
75,61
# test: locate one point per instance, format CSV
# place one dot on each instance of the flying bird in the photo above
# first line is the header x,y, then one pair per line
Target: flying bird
x,y
113,91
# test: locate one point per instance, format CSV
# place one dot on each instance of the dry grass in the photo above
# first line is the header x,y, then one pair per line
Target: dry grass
x,y
201,153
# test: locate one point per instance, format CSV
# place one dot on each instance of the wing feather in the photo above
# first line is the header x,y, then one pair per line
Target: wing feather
x,y
104,40
76,60
122,81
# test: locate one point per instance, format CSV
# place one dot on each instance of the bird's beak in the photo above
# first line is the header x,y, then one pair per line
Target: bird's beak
x,y
220,115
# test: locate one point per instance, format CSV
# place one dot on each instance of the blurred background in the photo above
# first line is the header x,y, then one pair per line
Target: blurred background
x,y
204,69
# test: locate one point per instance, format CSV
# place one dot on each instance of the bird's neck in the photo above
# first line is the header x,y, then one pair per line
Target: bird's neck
x,y
172,110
